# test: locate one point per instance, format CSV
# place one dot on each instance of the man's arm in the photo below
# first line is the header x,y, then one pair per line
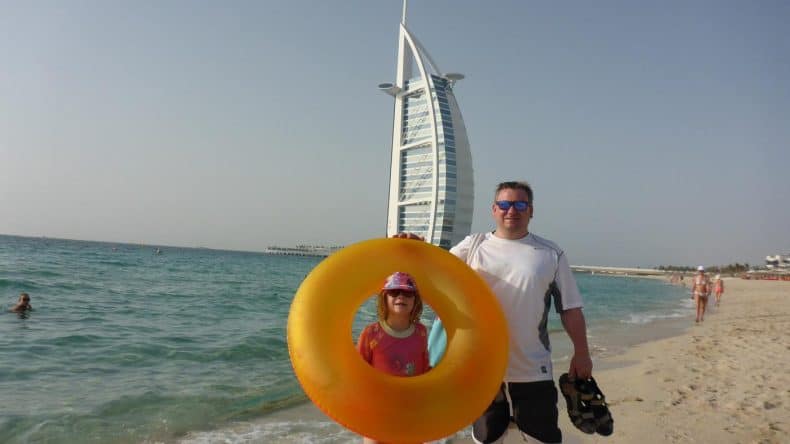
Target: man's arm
x,y
575,326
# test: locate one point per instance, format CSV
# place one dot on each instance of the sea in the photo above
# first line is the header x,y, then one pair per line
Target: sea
x,y
155,344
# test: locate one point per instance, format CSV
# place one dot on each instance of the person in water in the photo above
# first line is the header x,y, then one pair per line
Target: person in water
x,y
700,290
23,304
397,343
718,288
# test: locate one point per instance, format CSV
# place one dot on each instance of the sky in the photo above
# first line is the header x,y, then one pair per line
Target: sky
x,y
653,133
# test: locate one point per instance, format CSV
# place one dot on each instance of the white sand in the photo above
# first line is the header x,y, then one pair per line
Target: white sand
x,y
723,381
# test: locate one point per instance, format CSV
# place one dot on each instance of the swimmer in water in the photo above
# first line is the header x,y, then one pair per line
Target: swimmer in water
x,y
23,304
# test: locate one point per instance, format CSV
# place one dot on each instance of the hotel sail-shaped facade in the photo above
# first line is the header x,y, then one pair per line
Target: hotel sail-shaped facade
x,y
431,185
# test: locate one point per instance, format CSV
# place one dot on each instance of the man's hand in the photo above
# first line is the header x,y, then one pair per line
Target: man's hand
x,y
408,236
581,366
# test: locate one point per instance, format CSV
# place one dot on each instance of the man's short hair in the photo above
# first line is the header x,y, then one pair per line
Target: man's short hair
x,y
514,185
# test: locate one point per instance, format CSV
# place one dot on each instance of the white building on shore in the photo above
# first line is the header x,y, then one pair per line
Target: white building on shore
x,y
431,184
781,261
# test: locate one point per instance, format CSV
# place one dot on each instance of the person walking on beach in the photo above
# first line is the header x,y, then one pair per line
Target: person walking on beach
x,y
397,343
525,272
22,304
718,288
700,290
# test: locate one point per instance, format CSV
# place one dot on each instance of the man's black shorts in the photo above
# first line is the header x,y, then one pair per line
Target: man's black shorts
x,y
534,412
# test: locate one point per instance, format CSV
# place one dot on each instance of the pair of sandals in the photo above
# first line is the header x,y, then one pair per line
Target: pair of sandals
x,y
586,405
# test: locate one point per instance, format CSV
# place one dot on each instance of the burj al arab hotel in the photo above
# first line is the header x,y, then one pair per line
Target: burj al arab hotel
x,y
431,183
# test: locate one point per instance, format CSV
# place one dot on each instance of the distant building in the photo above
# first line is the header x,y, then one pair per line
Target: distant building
x,y
778,261
431,189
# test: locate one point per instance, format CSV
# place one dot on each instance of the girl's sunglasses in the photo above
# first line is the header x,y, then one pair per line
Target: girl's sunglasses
x,y
396,293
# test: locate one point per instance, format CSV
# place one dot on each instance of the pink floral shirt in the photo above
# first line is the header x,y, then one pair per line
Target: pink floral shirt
x,y
396,353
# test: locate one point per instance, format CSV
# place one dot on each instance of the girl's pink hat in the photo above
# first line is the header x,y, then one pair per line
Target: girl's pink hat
x,y
400,281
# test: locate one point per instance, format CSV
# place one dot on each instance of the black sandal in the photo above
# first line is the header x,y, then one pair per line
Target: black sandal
x,y
586,404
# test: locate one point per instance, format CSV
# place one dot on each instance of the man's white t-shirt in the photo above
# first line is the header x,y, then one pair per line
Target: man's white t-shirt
x,y
520,273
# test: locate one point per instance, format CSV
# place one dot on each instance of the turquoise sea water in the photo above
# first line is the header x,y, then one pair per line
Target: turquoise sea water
x,y
126,345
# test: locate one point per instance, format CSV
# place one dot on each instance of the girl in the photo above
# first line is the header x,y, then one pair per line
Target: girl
x,y
398,343
718,288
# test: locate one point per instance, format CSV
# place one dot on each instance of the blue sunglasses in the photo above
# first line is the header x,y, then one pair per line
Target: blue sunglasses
x,y
504,205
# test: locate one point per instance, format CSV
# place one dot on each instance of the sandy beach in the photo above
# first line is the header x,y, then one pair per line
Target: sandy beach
x,y
722,381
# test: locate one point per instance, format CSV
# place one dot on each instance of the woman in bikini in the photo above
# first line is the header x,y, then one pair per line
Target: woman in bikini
x,y
700,289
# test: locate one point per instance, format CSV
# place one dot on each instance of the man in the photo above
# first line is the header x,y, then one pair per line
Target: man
x,y
526,273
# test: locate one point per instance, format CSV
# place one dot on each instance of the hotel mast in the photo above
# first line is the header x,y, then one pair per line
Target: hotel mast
x,y
431,183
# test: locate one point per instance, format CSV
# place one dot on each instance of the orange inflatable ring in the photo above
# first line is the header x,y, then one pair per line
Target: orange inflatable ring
x,y
377,405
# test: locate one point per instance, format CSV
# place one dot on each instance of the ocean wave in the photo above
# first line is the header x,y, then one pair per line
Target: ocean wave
x,y
115,263
45,273
19,284
276,432
5,283
300,426
646,318
75,340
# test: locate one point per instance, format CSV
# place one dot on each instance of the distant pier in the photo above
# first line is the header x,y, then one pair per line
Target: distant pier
x,y
618,270
303,250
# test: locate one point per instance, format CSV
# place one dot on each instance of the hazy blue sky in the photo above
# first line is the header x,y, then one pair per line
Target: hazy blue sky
x,y
652,132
